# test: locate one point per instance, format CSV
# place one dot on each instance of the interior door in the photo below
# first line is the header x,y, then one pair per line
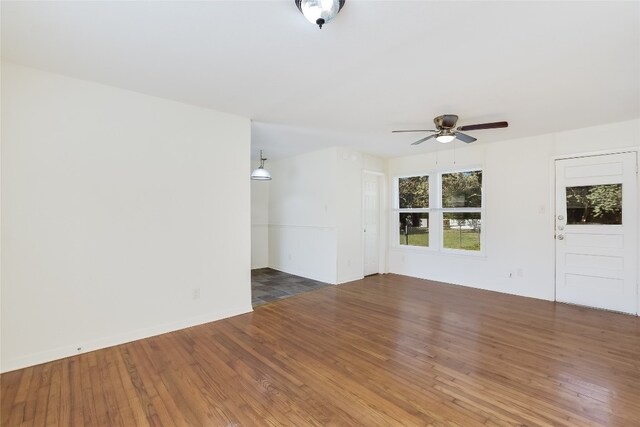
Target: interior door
x,y
371,221
597,231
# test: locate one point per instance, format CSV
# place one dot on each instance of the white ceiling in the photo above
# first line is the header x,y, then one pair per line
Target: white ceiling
x,y
380,65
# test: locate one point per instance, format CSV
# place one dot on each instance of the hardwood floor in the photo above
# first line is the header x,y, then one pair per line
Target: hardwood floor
x,y
386,350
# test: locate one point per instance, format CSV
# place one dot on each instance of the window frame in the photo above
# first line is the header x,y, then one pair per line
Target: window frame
x,y
397,211
436,213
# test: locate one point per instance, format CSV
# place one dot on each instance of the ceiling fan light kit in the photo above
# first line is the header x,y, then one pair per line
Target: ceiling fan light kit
x,y
446,130
319,12
445,137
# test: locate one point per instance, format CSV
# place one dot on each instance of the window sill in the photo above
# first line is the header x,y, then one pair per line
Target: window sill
x,y
445,252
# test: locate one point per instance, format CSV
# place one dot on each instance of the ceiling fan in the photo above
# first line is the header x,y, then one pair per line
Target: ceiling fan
x,y
446,130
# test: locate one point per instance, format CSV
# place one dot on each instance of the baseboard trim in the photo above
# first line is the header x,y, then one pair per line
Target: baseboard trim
x,y
350,279
284,270
259,266
105,342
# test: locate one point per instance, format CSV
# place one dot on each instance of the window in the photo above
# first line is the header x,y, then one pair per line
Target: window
x,y
413,203
452,223
594,204
461,206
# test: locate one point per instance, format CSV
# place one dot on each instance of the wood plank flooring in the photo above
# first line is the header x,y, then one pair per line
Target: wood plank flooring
x,y
384,351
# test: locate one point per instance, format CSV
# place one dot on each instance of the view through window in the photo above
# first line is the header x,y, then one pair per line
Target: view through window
x,y
594,204
453,222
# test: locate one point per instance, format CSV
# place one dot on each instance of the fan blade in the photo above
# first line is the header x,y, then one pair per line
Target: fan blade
x,y
449,121
465,138
416,130
420,141
494,125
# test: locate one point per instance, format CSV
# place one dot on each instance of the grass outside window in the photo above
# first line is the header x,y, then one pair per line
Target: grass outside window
x,y
453,239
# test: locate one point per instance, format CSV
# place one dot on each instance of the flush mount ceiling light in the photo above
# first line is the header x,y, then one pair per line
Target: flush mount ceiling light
x,y
260,173
319,12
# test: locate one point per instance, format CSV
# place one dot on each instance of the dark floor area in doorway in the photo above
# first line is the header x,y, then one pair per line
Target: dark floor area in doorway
x,y
269,285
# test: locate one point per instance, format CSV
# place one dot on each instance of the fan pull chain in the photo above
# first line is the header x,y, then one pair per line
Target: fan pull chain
x,y
454,151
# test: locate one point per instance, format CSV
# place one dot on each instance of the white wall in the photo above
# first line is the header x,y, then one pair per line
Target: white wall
x,y
259,221
350,253
116,206
315,219
302,215
518,224
349,216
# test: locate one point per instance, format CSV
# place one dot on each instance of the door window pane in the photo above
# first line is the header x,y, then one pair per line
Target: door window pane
x,y
462,189
594,204
461,230
413,192
414,229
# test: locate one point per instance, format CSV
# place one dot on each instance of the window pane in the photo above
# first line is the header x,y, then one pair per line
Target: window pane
x,y
594,204
413,192
461,230
414,229
462,190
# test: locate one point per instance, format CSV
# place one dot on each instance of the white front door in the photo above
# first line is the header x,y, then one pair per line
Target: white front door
x,y
597,231
371,222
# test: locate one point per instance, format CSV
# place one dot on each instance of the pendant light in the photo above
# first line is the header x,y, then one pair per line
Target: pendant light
x,y
260,173
319,12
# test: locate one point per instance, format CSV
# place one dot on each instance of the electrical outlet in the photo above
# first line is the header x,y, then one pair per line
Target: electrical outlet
x,y
196,293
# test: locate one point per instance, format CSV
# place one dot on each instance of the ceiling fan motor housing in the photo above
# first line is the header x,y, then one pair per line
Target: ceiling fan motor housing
x,y
446,121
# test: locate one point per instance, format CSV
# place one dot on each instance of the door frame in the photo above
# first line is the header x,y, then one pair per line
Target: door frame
x,y
552,204
382,220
